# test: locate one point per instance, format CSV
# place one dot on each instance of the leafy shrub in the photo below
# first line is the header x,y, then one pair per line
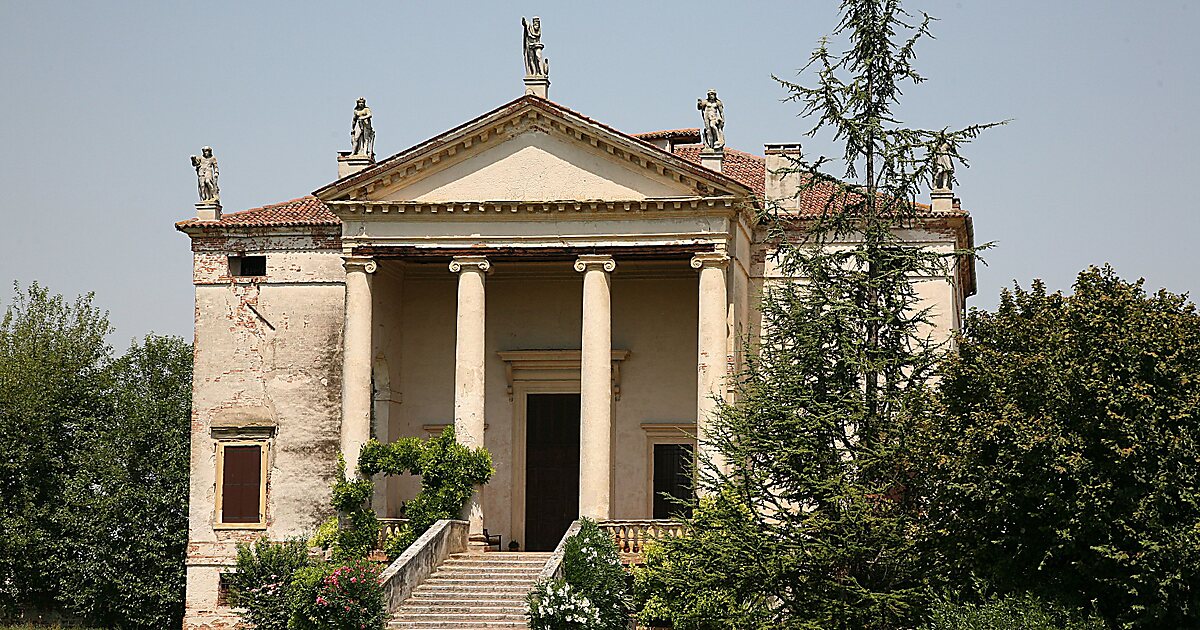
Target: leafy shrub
x,y
261,584
592,567
554,605
326,534
333,597
449,473
351,498
1007,613
594,590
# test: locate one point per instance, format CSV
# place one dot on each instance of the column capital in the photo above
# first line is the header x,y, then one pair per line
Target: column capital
x,y
469,263
589,261
710,259
359,263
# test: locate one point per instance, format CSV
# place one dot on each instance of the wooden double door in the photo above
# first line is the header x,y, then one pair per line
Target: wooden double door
x,y
551,468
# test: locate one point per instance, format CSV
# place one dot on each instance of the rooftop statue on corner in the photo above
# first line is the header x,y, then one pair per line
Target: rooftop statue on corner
x,y
362,134
206,176
943,166
713,113
535,64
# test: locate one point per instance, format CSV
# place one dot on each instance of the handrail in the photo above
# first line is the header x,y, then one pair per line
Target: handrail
x,y
553,568
418,562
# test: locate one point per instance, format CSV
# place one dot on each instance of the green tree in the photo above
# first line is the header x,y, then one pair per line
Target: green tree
x,y
1068,462
93,482
813,523
126,502
52,363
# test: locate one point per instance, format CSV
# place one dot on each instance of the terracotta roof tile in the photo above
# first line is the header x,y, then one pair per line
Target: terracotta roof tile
x,y
748,169
303,211
691,132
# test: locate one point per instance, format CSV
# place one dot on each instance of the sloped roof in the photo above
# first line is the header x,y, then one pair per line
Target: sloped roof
x,y
747,168
692,133
516,106
300,212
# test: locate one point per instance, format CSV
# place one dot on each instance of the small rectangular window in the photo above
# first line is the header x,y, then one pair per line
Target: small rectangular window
x,y
241,483
247,266
672,478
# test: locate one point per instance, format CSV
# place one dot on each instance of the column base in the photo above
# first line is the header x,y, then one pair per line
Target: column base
x,y
477,543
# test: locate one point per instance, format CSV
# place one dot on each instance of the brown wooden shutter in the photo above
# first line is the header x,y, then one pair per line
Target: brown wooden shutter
x,y
241,483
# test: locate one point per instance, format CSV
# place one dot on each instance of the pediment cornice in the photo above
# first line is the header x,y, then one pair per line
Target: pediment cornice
x,y
688,206
523,115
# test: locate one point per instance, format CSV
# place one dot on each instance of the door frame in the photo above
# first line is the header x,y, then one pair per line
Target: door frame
x,y
521,391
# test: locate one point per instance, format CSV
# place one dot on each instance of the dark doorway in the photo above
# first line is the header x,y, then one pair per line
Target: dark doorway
x,y
551,468
672,478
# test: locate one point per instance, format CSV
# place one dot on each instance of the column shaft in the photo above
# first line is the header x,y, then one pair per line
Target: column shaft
x,y
469,369
712,345
595,386
356,360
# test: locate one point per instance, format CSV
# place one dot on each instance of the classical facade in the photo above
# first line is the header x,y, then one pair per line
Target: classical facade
x,y
568,295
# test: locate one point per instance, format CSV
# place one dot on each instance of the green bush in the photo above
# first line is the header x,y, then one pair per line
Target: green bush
x,y
554,605
592,567
449,473
333,597
262,582
1007,613
594,590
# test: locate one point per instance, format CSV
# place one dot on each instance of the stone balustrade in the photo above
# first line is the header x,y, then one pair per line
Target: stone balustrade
x,y
389,527
632,535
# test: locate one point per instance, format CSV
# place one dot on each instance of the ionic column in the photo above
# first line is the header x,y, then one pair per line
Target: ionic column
x,y
711,344
356,359
469,364
595,387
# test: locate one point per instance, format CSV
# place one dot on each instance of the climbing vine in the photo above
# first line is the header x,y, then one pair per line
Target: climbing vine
x,y
449,472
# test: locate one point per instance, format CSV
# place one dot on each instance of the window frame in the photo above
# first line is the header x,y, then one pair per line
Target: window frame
x,y
664,433
264,456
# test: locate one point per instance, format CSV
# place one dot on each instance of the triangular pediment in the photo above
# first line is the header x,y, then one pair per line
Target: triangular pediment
x,y
531,150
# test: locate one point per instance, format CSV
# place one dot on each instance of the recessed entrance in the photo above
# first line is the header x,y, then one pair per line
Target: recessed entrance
x,y
551,468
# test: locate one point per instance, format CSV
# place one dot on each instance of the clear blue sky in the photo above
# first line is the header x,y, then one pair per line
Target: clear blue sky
x,y
102,103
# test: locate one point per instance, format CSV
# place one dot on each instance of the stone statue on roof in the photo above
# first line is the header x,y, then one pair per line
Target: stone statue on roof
x,y
206,176
713,113
535,64
943,166
362,135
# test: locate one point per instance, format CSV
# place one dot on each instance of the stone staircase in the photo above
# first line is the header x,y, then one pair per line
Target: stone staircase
x,y
484,590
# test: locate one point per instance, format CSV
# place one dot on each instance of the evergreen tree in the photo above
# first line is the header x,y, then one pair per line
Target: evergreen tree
x,y
813,517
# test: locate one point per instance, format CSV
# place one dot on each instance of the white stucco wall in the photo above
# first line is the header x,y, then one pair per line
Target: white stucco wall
x,y
267,352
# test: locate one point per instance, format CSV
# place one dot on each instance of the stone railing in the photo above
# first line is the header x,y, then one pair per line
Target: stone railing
x,y
389,527
631,536
553,568
421,559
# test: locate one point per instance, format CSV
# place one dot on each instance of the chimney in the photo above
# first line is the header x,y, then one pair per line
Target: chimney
x,y
781,188
350,164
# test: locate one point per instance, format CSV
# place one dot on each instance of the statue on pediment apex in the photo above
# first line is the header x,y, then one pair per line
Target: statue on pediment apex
x,y
535,64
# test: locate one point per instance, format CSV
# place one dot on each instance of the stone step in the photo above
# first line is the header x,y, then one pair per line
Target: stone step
x,y
473,591
465,607
456,625
405,616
